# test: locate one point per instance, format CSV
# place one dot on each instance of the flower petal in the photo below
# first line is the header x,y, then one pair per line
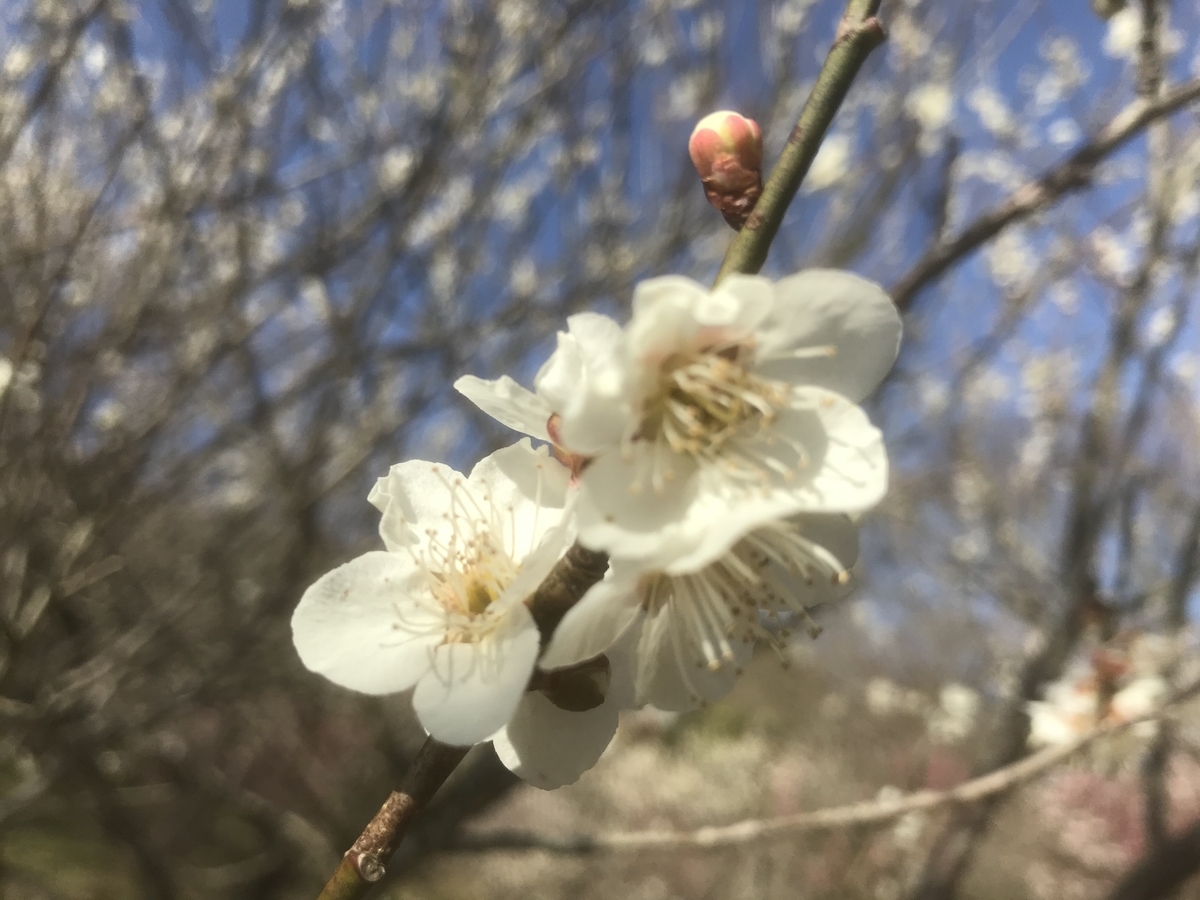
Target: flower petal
x,y
361,628
621,511
664,320
739,303
826,307
536,564
474,688
847,470
810,584
584,382
529,485
677,290
508,403
826,456
832,460
596,622
549,747
668,676
623,669
413,492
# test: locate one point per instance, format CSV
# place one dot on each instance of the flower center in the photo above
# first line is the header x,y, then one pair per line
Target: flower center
x,y
467,566
705,398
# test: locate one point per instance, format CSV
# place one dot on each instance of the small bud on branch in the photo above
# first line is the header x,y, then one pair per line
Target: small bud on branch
x,y
726,149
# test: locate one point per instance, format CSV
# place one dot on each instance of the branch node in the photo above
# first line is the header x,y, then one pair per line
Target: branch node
x,y
870,31
369,866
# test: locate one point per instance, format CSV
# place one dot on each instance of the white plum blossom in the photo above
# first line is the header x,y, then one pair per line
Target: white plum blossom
x,y
1141,697
713,412
716,450
694,630
1074,705
931,104
729,409
831,164
443,608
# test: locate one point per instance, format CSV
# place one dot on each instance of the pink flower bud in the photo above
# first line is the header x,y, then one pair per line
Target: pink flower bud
x,y
726,149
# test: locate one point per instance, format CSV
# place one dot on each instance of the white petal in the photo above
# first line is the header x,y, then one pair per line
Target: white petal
x,y
473,688
508,403
838,536
845,471
595,623
600,342
529,490
622,661
840,466
522,481
620,510
360,627
560,377
584,382
664,320
536,565
740,303
848,470
809,595
549,747
826,307
652,294
670,675
413,496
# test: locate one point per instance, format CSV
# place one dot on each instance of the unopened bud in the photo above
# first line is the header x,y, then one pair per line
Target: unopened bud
x,y
726,149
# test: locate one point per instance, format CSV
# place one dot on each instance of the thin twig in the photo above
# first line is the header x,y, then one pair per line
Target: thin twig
x,y
859,32
870,812
1072,174
364,863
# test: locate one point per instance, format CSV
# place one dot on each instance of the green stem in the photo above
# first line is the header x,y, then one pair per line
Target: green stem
x,y
363,863
858,34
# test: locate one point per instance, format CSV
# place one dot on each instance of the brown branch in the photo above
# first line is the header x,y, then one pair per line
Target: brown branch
x,y
568,581
364,863
1072,174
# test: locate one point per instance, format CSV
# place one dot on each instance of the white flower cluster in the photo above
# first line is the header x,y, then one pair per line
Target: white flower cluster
x,y
1119,682
712,447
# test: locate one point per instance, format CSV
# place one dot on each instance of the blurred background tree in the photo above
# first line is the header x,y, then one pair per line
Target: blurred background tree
x,y
245,247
